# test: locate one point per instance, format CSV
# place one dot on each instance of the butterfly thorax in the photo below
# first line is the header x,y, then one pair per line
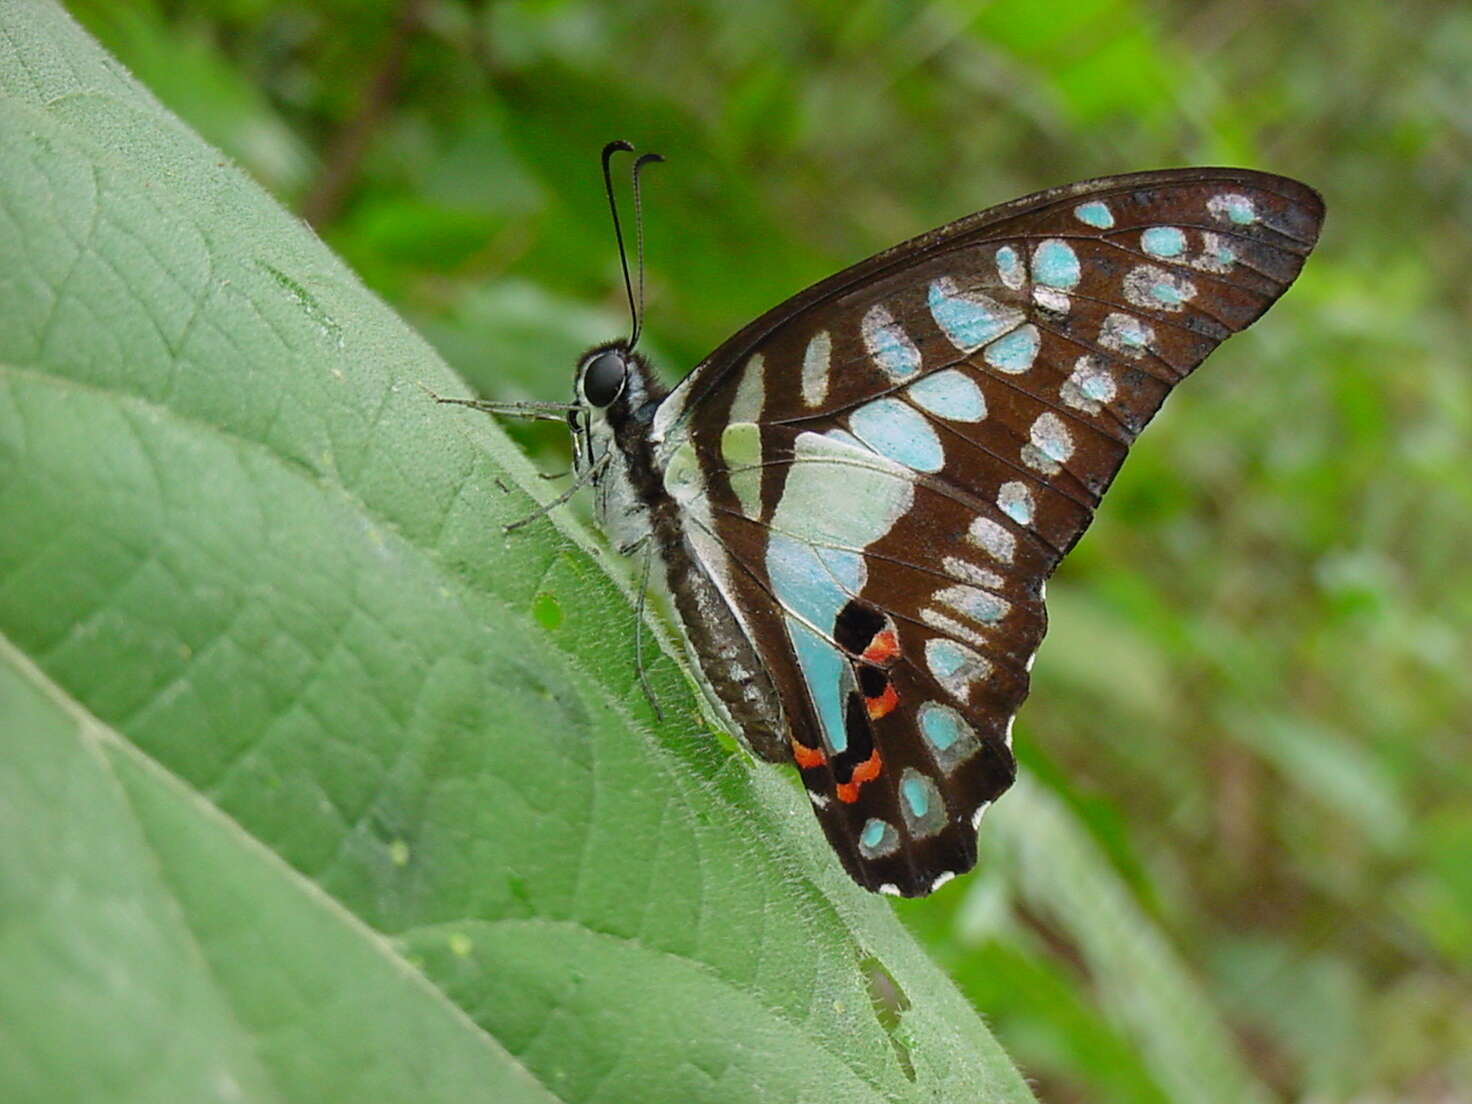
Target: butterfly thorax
x,y
639,516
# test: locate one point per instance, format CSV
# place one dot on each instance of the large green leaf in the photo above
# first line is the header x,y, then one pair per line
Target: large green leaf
x,y
315,785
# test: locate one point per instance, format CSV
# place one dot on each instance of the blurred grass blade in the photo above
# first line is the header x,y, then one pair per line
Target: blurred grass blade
x,y
1061,874
311,772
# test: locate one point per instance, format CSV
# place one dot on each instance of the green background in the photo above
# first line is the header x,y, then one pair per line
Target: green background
x,y
315,787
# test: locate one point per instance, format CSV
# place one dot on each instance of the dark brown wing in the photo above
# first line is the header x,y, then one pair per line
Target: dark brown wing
x,y
892,463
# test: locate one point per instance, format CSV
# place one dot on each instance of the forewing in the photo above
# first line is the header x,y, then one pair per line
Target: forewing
x,y
892,463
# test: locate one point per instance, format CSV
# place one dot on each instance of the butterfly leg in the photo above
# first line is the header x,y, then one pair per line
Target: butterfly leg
x,y
648,550
589,475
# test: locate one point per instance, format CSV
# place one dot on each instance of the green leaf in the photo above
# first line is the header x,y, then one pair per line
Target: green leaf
x,y
318,786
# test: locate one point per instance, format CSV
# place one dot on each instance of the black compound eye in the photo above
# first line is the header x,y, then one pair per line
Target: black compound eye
x,y
604,378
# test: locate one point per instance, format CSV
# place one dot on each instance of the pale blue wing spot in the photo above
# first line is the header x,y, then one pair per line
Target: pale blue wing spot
x,y
1237,208
1015,352
1098,386
950,739
940,727
1049,446
923,807
846,568
900,432
847,438
812,583
1124,332
916,796
889,345
1055,263
955,666
810,510
951,394
1167,295
1089,386
969,321
1009,267
1094,214
1015,500
945,657
822,670
1156,288
877,839
1163,241
873,832
978,605
1051,438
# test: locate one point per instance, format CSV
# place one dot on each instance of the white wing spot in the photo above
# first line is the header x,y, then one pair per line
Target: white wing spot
x,y
1051,299
1009,268
998,542
1124,333
1217,254
815,368
956,667
979,576
1089,387
1153,288
751,392
1050,445
951,627
980,606
1233,207
889,345
1015,500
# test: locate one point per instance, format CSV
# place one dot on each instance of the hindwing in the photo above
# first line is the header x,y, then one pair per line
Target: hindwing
x,y
890,465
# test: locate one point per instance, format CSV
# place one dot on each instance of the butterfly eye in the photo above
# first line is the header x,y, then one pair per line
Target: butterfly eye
x,y
604,378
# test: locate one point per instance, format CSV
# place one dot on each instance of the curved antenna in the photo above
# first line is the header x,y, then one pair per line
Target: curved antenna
x,y
644,159
618,145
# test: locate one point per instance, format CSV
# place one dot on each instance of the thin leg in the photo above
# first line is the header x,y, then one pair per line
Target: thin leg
x,y
588,476
639,631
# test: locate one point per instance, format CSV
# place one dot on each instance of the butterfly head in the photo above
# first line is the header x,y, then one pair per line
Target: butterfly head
x,y
602,377
613,387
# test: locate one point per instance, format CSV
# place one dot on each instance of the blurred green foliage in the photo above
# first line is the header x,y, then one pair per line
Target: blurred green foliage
x,y
1250,723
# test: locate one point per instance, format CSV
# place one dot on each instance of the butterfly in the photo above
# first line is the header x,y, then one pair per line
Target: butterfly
x,y
857,500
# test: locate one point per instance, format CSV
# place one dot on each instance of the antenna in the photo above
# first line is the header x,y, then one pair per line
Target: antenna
x,y
644,159
618,145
